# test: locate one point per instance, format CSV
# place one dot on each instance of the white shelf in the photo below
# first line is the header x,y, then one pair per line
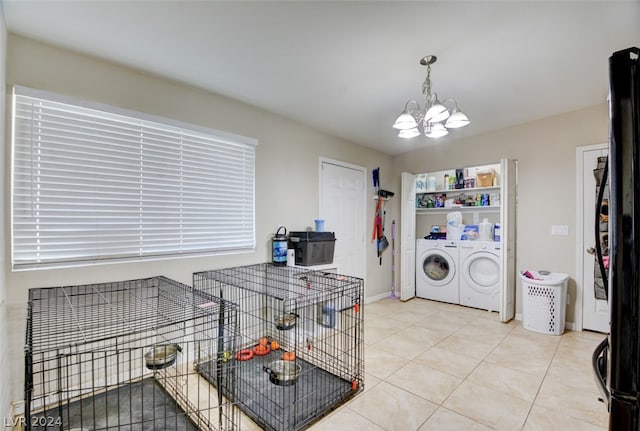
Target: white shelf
x,y
447,191
490,208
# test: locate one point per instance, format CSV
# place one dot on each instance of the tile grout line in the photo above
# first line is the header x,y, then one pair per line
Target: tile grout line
x,y
533,403
471,372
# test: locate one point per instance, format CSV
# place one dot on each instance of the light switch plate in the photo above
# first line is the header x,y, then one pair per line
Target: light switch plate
x,y
560,230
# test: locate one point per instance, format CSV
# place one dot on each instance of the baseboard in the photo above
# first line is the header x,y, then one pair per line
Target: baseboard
x,y
371,299
568,325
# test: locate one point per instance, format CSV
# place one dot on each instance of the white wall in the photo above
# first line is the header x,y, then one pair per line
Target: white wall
x,y
286,168
546,154
5,373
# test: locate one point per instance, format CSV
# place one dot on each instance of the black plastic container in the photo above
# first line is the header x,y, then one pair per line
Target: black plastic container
x,y
312,248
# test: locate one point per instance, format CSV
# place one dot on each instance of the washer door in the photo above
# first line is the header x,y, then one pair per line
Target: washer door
x,y
437,268
481,272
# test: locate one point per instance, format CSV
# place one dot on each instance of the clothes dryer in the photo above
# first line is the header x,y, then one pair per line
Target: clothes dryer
x,y
481,274
437,270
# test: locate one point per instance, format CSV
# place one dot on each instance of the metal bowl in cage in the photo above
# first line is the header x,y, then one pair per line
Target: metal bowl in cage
x,y
283,373
161,356
285,321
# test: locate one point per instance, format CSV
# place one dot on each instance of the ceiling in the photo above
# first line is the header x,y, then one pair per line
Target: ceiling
x,y
348,67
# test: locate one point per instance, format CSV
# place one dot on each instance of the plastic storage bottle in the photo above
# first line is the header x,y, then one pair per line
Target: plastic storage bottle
x,y
431,184
279,243
486,230
328,315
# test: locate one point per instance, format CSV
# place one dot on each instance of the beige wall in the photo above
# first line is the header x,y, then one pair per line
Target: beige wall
x,y
546,155
287,160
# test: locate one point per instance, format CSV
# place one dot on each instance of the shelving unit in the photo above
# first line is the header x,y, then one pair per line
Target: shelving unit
x,y
436,191
433,202
455,193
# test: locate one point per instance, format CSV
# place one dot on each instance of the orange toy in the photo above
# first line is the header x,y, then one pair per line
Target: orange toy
x,y
244,355
289,356
275,345
261,350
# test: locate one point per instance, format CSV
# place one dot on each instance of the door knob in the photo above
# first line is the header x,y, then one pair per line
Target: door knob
x,y
591,250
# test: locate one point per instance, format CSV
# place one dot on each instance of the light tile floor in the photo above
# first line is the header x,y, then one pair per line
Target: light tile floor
x,y
435,366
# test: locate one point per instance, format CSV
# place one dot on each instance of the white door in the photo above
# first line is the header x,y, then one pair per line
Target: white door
x,y
508,169
595,312
342,206
408,237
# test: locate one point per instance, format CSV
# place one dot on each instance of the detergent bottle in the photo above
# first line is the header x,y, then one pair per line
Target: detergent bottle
x,y
486,230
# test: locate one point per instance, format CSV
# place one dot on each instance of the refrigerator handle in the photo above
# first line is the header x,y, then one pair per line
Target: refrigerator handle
x,y
603,184
599,363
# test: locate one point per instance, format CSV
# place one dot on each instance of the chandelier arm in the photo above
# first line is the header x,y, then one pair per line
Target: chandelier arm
x,y
449,99
406,106
415,112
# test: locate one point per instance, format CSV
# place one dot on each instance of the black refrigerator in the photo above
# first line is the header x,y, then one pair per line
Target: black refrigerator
x,y
616,361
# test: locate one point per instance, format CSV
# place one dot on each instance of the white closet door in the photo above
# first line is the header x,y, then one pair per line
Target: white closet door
x,y
508,169
408,237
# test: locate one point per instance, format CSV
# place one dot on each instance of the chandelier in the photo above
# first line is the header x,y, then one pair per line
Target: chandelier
x,y
435,119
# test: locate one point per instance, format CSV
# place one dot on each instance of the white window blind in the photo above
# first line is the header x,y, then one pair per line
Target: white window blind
x,y
93,184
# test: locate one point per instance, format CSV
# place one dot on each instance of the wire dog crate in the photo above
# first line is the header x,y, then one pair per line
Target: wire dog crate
x,y
121,356
300,348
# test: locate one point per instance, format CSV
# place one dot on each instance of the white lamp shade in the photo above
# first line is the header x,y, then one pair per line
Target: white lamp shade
x,y
457,119
437,130
405,121
409,133
436,113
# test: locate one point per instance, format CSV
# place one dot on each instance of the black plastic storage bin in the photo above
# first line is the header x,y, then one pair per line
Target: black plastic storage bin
x,y
312,248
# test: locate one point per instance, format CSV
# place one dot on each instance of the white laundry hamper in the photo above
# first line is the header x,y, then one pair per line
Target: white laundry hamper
x,y
544,302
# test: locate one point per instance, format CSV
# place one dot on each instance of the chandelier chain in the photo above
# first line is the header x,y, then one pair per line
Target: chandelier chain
x,y
426,85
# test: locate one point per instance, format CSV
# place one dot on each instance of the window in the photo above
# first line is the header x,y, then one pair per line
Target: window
x,y
97,183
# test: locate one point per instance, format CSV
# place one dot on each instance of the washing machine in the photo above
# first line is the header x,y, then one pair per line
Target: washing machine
x,y
437,270
481,274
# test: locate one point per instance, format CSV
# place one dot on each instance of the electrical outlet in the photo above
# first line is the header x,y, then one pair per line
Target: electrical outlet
x,y
560,230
